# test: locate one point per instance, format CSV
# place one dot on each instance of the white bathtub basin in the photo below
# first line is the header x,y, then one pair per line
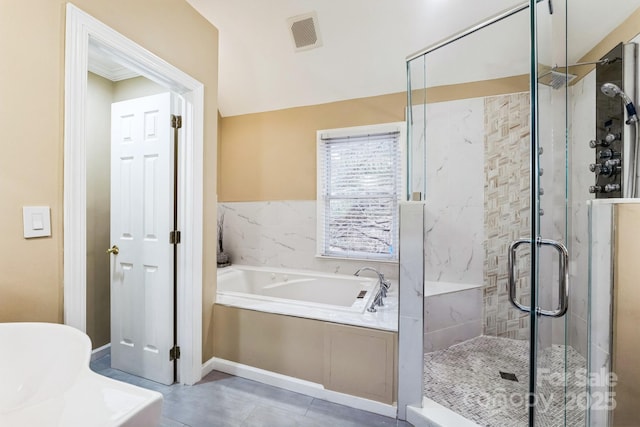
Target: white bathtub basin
x,y
311,289
336,298
45,380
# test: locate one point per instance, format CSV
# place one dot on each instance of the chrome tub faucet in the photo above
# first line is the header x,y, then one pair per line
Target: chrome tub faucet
x,y
383,287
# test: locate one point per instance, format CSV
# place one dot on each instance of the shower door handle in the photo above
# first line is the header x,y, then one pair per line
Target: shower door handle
x,y
563,276
512,274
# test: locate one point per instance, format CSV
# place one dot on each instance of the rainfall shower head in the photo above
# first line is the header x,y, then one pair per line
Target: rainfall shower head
x,y
556,79
612,90
552,76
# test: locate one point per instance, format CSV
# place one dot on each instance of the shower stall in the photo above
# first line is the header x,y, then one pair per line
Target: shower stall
x,y
509,147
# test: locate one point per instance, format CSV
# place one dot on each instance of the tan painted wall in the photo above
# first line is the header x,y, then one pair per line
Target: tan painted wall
x,y
272,155
99,98
31,116
626,315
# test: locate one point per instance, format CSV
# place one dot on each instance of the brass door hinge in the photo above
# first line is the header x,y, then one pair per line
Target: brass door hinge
x,y
174,353
174,237
176,121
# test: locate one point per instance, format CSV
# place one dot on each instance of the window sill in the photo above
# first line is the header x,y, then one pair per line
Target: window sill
x,y
379,260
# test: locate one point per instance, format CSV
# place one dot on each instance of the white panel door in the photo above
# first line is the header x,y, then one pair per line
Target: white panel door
x,y
141,220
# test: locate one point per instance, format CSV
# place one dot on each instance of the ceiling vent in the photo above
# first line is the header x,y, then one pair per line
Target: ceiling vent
x,y
304,30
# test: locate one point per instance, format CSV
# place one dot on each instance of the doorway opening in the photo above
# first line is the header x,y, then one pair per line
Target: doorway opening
x,y
82,32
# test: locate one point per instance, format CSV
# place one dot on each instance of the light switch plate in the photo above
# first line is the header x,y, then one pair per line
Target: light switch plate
x,y
36,221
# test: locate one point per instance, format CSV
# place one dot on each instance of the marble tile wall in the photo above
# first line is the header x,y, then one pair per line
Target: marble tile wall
x,y
553,225
411,306
553,160
507,210
601,218
282,234
454,230
581,131
452,318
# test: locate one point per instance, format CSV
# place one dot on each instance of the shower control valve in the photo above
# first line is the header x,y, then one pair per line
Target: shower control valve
x,y
601,169
606,171
608,153
614,165
612,137
594,143
609,188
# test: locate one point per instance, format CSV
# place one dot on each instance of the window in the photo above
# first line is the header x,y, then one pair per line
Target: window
x,y
359,186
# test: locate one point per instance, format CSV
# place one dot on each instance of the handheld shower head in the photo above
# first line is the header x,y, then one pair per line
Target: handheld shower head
x,y
611,90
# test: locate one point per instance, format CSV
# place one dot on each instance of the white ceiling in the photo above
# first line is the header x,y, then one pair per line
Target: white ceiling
x,y
365,43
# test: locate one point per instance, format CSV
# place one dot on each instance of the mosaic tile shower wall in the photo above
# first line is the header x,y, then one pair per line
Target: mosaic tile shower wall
x,y
507,211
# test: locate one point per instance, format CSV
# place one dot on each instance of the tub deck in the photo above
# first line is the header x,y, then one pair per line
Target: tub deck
x,y
386,317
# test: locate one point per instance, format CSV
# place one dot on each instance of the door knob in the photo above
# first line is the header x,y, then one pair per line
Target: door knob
x,y
113,250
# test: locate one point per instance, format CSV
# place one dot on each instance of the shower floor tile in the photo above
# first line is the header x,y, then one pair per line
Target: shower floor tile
x,y
466,379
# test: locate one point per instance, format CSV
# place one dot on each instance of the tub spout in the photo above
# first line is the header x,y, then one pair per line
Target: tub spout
x,y
384,283
377,301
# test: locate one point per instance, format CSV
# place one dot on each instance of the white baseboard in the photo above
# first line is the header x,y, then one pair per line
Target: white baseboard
x,y
432,414
100,352
207,367
297,385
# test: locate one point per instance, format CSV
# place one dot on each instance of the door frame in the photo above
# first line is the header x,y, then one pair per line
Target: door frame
x,y
80,29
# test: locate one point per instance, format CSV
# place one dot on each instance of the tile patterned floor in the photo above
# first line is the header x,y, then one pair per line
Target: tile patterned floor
x,y
227,401
466,379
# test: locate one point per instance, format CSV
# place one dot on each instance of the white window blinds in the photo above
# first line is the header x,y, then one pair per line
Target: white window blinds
x,y
359,187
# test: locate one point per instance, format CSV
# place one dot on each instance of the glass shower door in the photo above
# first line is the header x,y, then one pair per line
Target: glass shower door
x,y
547,245
557,367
